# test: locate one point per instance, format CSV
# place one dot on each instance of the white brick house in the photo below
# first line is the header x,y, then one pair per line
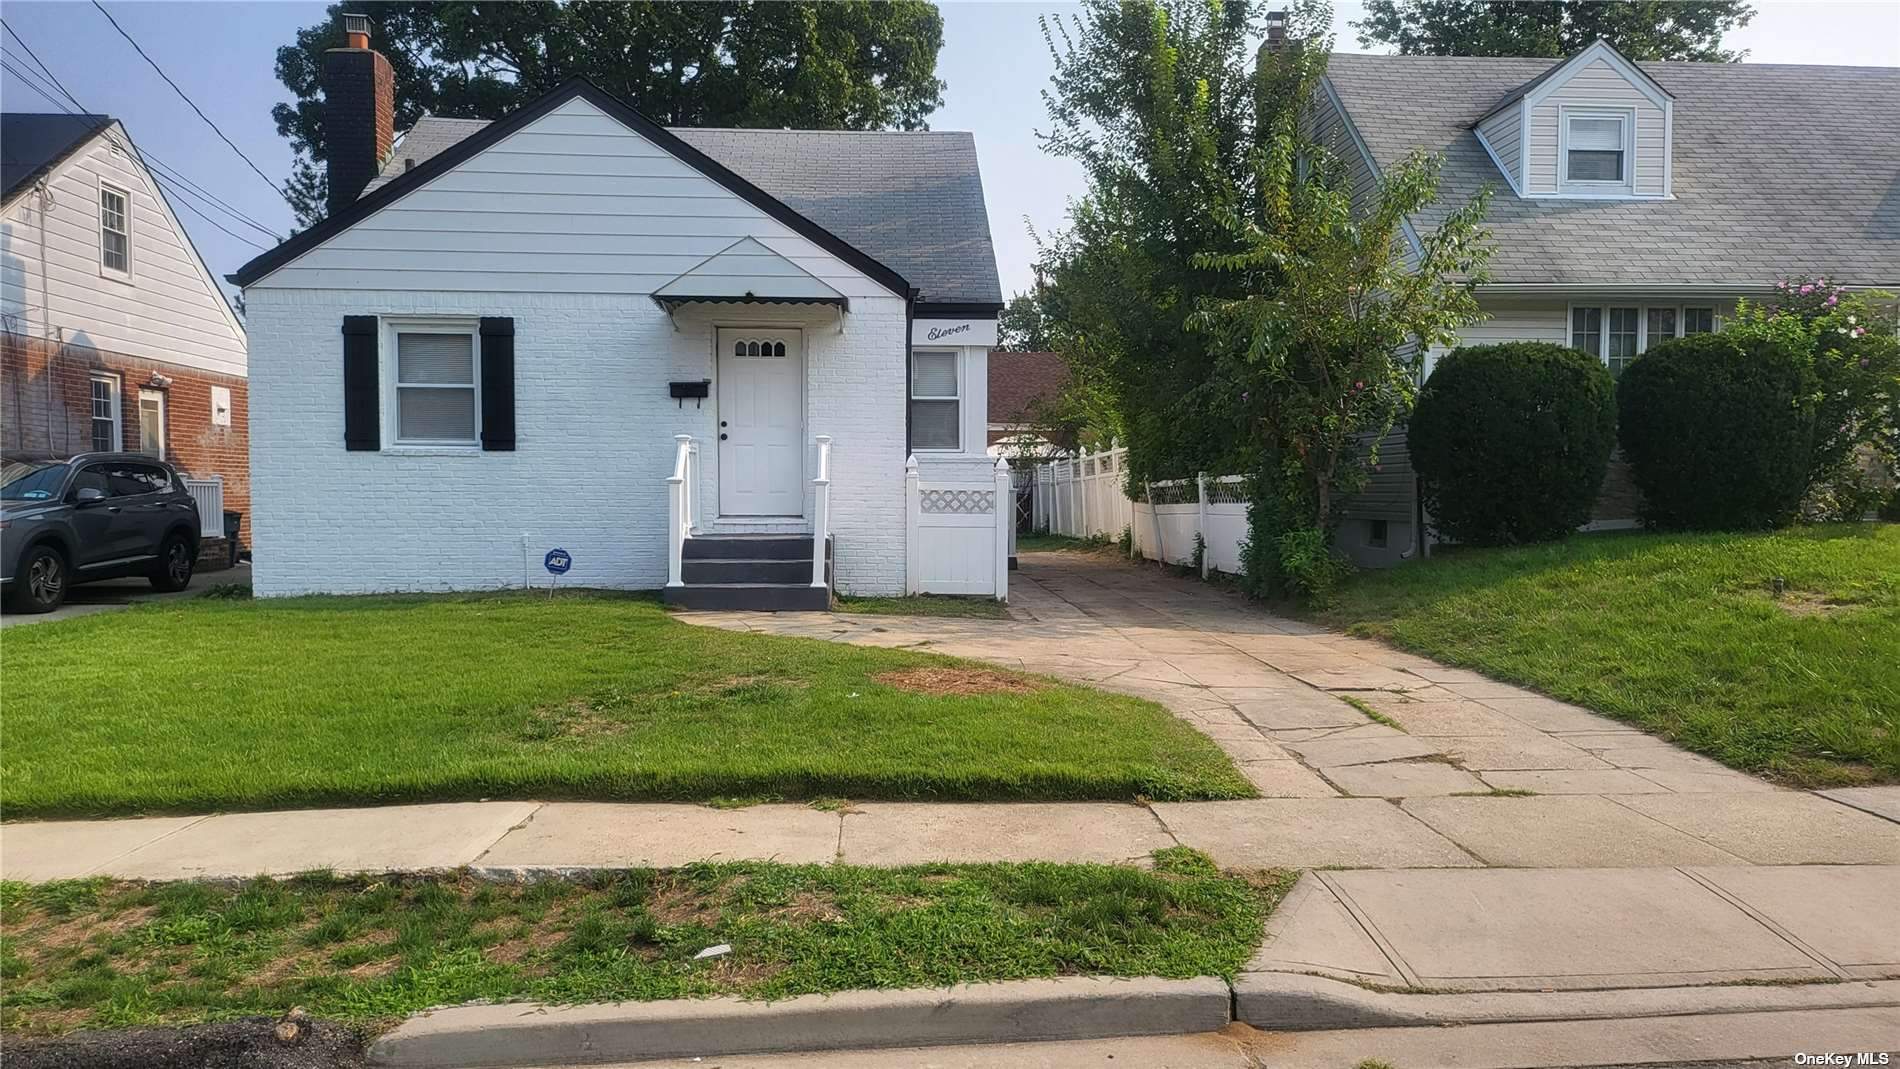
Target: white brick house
x,y
484,356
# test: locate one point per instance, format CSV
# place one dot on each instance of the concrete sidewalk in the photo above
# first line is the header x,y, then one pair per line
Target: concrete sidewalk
x,y
1593,832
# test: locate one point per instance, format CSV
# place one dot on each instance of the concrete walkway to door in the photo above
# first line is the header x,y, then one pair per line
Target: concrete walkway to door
x,y
1273,693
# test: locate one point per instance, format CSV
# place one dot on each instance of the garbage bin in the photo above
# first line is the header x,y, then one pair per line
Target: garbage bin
x,y
232,522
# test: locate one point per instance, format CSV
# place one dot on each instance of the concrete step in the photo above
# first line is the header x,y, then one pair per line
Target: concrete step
x,y
750,597
717,570
751,547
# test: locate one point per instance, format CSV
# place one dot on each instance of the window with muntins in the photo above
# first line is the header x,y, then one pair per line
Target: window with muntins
x,y
1617,336
435,387
105,414
935,401
115,231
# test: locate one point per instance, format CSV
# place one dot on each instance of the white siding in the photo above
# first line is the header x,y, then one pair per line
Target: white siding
x,y
1504,133
1598,83
575,202
594,445
51,284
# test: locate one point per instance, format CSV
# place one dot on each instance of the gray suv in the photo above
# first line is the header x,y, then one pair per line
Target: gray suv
x,y
67,520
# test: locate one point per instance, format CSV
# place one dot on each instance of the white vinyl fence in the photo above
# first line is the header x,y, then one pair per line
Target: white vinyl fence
x,y
962,527
1086,497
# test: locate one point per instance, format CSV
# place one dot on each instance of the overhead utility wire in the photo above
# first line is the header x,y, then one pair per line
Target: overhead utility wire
x,y
194,106
161,171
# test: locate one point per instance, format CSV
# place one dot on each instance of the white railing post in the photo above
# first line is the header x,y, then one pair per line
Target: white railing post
x,y
913,519
821,511
1200,520
692,488
1005,522
678,506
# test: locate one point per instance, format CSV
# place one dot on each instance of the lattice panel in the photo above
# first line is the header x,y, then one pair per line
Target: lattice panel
x,y
961,502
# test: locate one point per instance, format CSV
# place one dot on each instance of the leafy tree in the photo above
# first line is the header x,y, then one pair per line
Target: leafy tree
x,y
1023,327
1640,29
1121,281
857,65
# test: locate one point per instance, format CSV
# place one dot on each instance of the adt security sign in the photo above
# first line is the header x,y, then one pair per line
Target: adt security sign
x,y
557,562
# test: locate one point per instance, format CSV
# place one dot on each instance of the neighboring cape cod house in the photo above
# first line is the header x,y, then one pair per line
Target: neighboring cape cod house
x,y
522,330
1631,202
116,336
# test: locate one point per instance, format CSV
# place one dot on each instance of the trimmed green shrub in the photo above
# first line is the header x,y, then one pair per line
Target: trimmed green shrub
x,y
1719,430
1511,441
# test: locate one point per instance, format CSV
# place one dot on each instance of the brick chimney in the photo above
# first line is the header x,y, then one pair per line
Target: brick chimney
x,y
359,112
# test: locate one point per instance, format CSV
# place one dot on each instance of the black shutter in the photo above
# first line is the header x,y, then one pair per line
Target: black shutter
x,y
498,383
360,409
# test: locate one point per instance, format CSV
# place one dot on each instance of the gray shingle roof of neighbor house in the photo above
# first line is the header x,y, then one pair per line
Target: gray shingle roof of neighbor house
x,y
1779,170
912,200
32,143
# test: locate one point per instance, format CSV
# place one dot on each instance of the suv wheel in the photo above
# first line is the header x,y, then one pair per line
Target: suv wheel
x,y
41,584
174,565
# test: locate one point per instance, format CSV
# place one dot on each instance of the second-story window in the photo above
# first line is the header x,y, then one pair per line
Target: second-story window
x,y
1596,151
115,231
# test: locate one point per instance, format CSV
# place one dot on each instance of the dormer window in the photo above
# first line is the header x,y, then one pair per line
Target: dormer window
x,y
1596,150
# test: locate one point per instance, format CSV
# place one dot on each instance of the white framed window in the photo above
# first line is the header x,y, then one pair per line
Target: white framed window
x,y
1616,335
1597,153
936,400
105,414
433,383
152,423
115,231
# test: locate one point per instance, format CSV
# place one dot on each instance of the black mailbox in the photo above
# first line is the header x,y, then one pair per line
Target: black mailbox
x,y
698,391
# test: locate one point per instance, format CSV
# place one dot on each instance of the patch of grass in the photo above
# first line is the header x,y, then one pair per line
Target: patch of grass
x,y
1682,635
1371,714
198,705
98,954
924,605
1051,543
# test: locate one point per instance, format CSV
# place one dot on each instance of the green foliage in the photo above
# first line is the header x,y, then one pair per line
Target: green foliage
x,y
1308,566
1511,441
1855,355
1023,327
1719,429
1640,29
819,65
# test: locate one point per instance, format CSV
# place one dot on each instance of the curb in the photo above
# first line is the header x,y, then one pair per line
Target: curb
x,y
518,1034
1296,1002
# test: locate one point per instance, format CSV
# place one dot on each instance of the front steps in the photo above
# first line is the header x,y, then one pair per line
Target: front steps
x,y
764,573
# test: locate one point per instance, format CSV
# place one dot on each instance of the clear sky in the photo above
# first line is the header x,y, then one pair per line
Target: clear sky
x,y
993,58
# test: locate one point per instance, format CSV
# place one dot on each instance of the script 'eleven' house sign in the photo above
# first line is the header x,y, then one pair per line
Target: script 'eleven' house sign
x,y
511,335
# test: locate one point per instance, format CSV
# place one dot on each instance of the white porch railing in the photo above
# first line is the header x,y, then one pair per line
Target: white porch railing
x,y
682,505
820,510
960,518
209,494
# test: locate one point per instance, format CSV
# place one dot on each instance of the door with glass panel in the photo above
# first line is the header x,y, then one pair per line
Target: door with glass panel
x,y
761,422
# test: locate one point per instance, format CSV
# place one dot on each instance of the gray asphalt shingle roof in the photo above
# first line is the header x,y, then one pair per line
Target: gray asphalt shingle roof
x,y
912,200
1778,170
32,142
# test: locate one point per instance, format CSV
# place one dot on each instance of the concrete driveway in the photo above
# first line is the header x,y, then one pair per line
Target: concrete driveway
x,y
112,594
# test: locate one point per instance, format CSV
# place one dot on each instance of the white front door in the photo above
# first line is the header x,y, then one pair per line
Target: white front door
x,y
761,422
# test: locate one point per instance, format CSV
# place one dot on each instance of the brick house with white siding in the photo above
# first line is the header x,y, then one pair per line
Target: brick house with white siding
x,y
510,336
114,336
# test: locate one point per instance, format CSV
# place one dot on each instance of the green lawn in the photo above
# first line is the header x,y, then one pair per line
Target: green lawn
x,y
1679,634
99,954
235,704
